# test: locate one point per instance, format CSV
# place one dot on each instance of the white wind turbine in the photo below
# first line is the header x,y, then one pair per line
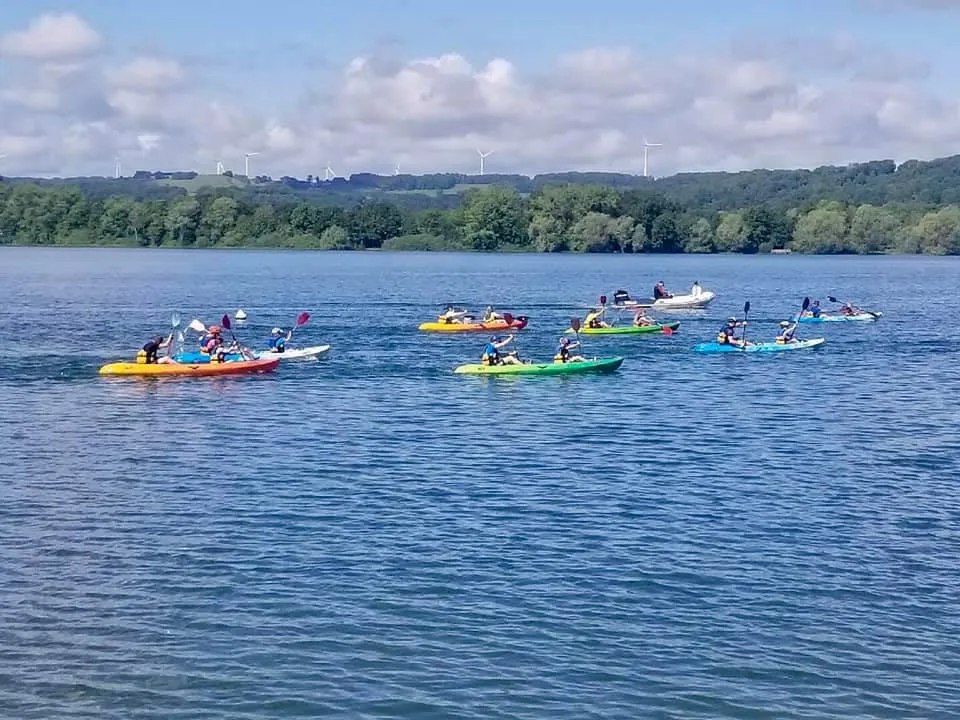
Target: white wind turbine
x,y
328,173
116,169
396,170
220,169
483,156
246,162
646,148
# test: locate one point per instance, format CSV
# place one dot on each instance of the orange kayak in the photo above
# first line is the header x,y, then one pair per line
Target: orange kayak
x,y
233,367
518,323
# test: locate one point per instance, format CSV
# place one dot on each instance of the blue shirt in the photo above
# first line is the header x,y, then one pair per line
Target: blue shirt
x,y
490,349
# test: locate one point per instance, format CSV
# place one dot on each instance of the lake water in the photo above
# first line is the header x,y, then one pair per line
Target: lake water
x,y
371,536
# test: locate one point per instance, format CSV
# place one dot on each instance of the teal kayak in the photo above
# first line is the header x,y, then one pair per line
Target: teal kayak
x,y
551,368
859,317
714,347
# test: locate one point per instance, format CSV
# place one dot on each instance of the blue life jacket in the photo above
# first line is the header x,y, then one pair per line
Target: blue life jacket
x,y
277,343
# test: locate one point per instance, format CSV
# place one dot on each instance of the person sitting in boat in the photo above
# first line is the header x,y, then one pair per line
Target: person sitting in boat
x,y
595,319
152,348
814,310
278,341
728,333
641,319
451,315
493,356
563,352
787,329
660,291
212,341
489,315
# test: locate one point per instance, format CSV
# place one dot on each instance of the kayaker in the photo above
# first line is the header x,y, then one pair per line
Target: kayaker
x,y
212,341
660,291
595,319
149,352
451,315
814,310
787,329
641,319
728,333
849,309
278,341
493,356
563,352
489,315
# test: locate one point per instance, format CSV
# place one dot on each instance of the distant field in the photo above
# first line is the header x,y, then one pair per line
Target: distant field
x,y
202,181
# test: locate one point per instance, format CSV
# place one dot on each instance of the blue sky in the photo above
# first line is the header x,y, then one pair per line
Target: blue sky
x,y
269,61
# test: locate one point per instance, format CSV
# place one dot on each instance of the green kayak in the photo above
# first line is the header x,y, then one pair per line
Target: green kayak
x,y
628,329
552,368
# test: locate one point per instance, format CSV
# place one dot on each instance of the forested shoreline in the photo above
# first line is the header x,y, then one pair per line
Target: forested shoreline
x,y
827,216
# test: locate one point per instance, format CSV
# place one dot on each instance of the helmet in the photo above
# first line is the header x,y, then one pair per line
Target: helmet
x,y
784,323
276,331
731,319
564,341
495,338
214,329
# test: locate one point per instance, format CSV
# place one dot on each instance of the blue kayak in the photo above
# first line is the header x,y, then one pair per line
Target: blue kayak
x,y
714,347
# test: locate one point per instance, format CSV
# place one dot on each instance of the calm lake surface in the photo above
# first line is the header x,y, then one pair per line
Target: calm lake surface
x,y
371,536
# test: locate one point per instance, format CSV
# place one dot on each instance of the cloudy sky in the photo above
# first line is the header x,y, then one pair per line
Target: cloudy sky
x,y
546,85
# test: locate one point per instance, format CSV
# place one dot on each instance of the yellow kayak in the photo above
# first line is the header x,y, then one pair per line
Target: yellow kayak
x,y
231,367
517,323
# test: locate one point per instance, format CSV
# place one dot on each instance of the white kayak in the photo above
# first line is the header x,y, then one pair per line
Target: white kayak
x,y
295,353
856,317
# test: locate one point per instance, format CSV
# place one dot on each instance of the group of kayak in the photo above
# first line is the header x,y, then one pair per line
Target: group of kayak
x,y
213,354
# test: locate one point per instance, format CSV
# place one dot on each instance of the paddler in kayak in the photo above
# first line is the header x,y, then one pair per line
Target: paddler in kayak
x,y
451,315
728,333
563,352
493,356
151,349
278,341
489,315
641,319
595,319
787,329
814,311
211,341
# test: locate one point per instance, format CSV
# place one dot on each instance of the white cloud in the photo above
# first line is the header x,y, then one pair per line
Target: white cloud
x,y
52,37
795,102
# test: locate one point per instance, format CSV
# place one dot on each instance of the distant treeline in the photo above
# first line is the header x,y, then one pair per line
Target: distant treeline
x,y
869,208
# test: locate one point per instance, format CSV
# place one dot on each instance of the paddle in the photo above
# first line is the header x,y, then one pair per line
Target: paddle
x,y
197,326
175,323
508,319
832,299
302,320
743,336
225,321
575,325
803,309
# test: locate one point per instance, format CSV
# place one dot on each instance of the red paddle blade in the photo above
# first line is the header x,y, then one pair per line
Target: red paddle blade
x,y
302,318
225,321
575,324
667,330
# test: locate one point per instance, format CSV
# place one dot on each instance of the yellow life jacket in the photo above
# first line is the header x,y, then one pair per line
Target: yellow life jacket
x,y
142,357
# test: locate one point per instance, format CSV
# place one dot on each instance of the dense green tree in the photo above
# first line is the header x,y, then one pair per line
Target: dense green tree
x,y
823,229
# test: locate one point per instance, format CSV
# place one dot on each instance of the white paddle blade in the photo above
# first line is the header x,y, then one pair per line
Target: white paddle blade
x,y
197,326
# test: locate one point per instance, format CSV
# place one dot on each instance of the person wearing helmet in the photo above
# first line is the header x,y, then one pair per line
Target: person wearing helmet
x,y
594,319
493,356
728,333
278,340
212,341
787,329
641,319
150,351
563,352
